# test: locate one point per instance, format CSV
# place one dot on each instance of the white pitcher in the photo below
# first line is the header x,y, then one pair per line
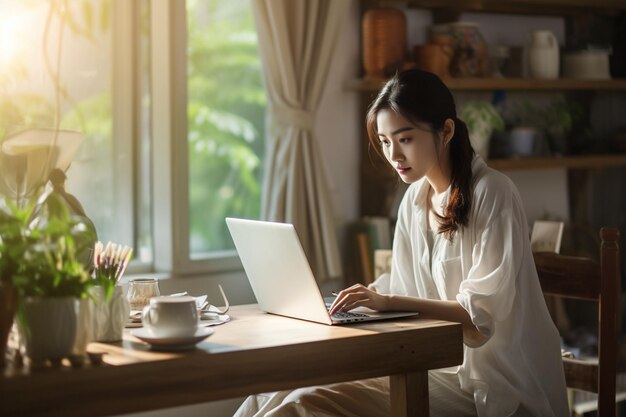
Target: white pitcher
x,y
543,55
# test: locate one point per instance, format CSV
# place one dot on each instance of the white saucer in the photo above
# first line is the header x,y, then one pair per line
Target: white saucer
x,y
172,343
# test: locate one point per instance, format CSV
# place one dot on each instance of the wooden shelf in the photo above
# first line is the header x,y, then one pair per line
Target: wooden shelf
x,y
378,187
549,7
485,84
571,162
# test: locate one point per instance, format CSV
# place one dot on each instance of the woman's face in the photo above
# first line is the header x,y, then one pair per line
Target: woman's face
x,y
409,147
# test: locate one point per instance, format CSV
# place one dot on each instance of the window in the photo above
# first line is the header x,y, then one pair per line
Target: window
x,y
169,97
208,112
225,108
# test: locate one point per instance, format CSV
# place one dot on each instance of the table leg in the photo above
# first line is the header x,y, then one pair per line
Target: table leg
x,y
409,394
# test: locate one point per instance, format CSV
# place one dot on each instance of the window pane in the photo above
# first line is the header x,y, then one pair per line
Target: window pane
x,y
88,77
226,112
69,47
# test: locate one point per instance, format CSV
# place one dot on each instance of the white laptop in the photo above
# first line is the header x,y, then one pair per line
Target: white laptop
x,y
281,278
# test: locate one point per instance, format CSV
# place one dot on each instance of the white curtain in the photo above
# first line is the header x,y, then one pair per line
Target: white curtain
x,y
296,42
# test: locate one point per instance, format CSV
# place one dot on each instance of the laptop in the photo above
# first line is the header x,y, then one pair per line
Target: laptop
x,y
281,277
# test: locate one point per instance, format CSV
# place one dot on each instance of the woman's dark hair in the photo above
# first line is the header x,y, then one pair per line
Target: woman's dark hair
x,y
421,96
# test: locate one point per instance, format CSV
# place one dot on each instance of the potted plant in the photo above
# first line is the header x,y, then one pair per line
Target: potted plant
x,y
50,279
482,118
552,122
558,119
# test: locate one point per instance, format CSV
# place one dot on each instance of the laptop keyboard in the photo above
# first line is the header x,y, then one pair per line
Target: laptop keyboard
x,y
348,315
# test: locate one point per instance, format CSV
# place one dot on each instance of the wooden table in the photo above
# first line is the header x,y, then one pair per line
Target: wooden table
x,y
254,353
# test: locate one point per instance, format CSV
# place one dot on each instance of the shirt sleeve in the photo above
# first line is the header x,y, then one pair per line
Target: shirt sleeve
x,y
489,290
381,285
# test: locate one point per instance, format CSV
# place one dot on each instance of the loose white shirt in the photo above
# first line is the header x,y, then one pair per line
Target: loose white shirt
x,y
489,269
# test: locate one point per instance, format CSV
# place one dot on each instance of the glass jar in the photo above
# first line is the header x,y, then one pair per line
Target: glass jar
x,y
140,291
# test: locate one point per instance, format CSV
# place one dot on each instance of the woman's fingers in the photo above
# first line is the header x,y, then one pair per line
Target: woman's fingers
x,y
341,295
348,297
339,302
358,303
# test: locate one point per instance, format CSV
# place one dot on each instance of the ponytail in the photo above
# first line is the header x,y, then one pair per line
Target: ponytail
x,y
456,212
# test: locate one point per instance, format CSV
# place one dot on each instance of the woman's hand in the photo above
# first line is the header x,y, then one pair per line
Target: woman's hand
x,y
359,296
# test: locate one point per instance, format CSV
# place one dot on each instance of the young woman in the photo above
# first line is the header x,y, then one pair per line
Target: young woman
x,y
461,253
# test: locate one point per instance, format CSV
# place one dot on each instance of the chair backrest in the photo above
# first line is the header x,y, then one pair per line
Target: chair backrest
x,y
584,278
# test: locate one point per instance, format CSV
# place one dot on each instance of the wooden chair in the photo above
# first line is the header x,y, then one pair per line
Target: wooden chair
x,y
584,278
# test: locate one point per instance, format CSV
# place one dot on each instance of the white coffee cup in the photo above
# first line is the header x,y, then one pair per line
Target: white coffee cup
x,y
168,316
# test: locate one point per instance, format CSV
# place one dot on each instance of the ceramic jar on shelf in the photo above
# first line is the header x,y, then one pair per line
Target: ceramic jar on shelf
x,y
436,55
384,41
470,51
543,55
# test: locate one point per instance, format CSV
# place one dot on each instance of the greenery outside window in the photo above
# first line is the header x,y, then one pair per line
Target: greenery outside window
x,y
208,109
226,112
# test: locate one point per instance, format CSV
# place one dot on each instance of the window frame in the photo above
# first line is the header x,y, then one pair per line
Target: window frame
x,y
126,119
123,127
170,162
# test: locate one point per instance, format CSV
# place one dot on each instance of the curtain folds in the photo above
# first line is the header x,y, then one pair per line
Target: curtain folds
x,y
296,43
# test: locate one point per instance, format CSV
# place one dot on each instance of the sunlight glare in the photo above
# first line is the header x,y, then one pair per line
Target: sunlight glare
x,y
9,39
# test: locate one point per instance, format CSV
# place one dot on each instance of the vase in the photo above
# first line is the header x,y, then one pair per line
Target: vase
x,y
111,316
48,327
434,58
522,141
543,55
470,51
384,41
85,330
8,306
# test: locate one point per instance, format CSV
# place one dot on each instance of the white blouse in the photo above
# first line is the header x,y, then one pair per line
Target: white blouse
x,y
489,269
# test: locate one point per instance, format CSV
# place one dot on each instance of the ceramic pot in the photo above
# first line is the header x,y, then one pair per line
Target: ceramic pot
x,y
8,306
470,51
384,41
522,141
434,58
85,330
543,55
589,65
111,316
48,328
